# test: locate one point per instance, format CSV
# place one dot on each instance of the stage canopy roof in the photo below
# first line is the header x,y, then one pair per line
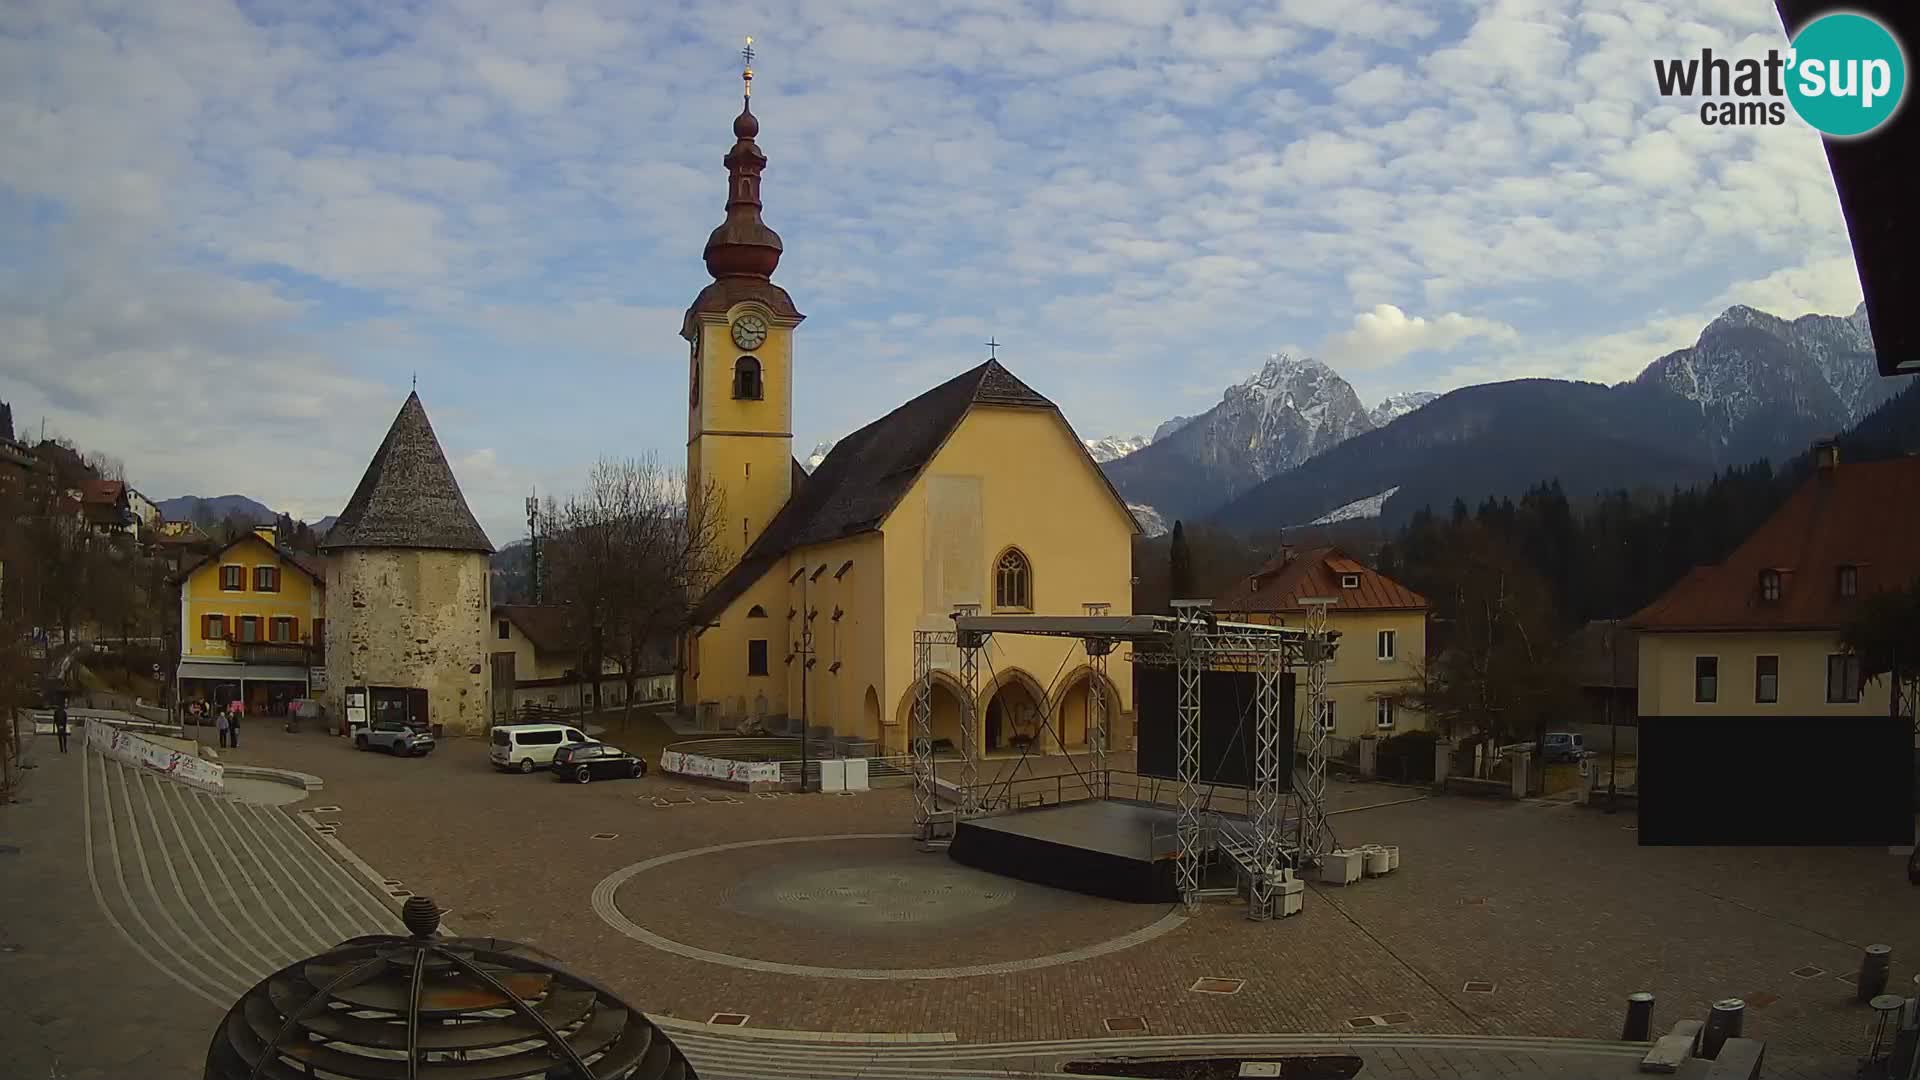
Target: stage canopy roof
x,y
1139,628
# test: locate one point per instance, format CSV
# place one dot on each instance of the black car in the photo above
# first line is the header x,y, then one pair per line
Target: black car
x,y
582,762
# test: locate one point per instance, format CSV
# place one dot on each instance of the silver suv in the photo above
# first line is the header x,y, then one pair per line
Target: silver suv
x,y
395,737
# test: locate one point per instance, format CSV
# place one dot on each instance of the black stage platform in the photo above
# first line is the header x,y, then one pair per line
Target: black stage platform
x,y
1098,847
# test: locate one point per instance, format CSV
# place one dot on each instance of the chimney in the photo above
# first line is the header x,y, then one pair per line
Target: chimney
x,y
1826,454
265,532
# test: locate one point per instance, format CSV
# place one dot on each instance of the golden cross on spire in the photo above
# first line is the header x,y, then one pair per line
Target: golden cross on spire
x,y
746,68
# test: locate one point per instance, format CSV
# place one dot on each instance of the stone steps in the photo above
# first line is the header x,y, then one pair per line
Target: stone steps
x,y
217,892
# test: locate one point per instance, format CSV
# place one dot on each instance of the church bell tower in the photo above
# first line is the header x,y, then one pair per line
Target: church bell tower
x,y
739,333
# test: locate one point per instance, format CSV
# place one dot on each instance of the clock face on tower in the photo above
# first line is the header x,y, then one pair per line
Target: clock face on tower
x,y
749,331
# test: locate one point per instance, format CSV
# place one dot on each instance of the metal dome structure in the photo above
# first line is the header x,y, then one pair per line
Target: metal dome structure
x,y
422,1007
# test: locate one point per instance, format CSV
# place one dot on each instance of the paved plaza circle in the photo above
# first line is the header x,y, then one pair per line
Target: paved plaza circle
x,y
867,897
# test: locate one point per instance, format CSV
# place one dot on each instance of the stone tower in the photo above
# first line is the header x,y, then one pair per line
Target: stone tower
x,y
408,594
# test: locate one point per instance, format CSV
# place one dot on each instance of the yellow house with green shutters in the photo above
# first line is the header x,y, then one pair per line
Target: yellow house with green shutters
x,y
977,493
252,625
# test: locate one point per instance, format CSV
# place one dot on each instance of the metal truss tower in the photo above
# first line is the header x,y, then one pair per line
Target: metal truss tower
x,y
1315,839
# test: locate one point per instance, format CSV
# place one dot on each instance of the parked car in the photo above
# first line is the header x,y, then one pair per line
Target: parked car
x,y
395,737
1563,746
527,747
584,762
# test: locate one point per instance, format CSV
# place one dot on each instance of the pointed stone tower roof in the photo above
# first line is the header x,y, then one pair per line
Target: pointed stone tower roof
x,y
408,498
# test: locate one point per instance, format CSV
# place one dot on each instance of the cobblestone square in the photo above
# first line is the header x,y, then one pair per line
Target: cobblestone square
x,y
827,942
1553,904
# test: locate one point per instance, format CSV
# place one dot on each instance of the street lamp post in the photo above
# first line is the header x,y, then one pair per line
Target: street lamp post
x,y
803,650
1613,729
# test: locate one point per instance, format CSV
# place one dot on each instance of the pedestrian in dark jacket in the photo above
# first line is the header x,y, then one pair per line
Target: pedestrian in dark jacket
x,y
60,724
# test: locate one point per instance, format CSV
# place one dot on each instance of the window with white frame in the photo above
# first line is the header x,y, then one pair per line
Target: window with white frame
x,y
1327,715
1383,644
1706,678
1383,713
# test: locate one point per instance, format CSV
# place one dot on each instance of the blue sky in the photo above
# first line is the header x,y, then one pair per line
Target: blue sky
x,y
232,234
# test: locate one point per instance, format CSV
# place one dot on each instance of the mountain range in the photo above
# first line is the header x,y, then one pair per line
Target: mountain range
x,y
1292,409
1752,386
218,508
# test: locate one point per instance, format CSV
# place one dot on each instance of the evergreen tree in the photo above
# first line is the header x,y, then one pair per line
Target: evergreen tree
x,y
1180,564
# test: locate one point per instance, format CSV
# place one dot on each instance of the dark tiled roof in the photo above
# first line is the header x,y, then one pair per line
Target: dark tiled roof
x,y
315,566
1591,664
1863,515
1280,585
546,625
550,629
865,475
408,497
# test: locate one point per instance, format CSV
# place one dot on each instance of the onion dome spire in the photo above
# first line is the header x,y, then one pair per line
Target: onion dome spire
x,y
743,246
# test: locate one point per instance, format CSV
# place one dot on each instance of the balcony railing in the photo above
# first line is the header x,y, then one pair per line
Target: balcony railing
x,y
275,652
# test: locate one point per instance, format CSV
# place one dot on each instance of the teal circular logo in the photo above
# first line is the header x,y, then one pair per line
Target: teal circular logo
x,y
1846,74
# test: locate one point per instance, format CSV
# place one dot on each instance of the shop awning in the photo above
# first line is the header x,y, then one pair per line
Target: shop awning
x,y
213,669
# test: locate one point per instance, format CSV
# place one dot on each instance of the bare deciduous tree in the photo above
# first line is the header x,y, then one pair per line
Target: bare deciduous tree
x,y
628,556
1498,670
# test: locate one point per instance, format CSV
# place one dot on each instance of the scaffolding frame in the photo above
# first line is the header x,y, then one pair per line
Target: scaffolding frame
x,y
1191,641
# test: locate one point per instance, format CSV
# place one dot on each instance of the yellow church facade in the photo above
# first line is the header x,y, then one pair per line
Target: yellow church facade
x,y
976,494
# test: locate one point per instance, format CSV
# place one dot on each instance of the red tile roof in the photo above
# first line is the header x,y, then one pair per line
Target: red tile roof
x,y
1866,516
1281,584
102,491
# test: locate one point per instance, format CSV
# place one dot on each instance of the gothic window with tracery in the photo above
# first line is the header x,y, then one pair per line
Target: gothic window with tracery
x,y
1013,581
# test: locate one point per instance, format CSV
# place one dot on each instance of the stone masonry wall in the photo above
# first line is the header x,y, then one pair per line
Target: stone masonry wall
x,y
412,618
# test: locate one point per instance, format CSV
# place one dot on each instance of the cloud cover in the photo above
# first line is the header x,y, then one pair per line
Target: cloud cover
x,y
231,234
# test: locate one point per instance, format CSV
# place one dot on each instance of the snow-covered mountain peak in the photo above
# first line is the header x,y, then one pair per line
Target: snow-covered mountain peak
x,y
1740,315
1815,373
1169,427
1283,369
1395,406
1115,446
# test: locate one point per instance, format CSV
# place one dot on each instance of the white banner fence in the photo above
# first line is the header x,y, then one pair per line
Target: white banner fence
x,y
739,772
125,746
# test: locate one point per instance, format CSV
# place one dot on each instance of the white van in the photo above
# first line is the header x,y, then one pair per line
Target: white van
x,y
527,747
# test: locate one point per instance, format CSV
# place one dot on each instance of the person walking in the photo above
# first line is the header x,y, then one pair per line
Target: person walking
x,y
220,723
60,723
234,713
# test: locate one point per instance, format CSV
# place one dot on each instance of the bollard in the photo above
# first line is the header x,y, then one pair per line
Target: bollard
x,y
1639,1026
1723,1023
1875,964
